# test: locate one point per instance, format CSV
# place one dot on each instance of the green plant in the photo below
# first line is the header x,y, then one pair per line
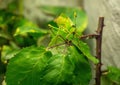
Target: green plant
x,y
53,65
64,61
45,65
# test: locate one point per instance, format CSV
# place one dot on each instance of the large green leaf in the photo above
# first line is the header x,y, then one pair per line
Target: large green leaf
x,y
26,68
77,15
82,72
35,66
59,71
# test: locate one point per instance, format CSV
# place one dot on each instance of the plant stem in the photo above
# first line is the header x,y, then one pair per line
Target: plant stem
x,y
98,50
98,37
89,36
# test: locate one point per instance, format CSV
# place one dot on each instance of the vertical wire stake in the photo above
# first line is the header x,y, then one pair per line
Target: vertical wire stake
x,y
98,50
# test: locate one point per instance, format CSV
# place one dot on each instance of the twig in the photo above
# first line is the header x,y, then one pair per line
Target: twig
x,y
89,36
98,37
105,72
98,50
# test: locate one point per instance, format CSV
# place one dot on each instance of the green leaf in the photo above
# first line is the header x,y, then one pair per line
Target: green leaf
x,y
26,68
113,75
82,72
27,33
106,81
24,41
25,26
83,47
59,71
8,52
77,15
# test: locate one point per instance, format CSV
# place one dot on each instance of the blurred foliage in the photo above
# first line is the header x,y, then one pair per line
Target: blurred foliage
x,y
16,32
